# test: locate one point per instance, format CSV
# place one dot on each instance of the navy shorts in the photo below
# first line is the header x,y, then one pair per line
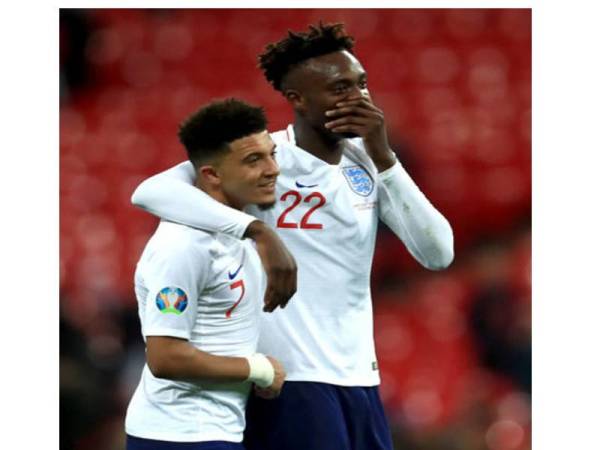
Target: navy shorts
x,y
136,443
318,416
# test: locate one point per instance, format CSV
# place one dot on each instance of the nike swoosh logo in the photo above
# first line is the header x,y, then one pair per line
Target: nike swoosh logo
x,y
234,274
306,185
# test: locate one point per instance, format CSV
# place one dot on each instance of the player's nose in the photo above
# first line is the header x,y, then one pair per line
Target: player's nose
x,y
357,93
271,168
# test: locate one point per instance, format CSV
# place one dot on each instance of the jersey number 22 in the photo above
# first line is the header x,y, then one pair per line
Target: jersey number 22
x,y
296,199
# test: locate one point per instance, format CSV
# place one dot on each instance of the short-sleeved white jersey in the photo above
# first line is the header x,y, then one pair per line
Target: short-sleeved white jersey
x,y
208,289
327,216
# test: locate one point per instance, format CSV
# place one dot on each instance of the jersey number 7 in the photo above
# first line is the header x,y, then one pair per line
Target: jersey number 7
x,y
296,199
237,284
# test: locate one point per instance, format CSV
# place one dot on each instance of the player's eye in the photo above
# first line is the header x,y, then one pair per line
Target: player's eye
x,y
340,88
363,84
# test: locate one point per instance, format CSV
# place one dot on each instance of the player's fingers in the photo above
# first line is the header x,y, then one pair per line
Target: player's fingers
x,y
259,392
292,285
285,283
276,295
350,128
288,281
355,110
270,302
361,102
265,395
265,392
279,292
348,110
347,120
289,288
281,283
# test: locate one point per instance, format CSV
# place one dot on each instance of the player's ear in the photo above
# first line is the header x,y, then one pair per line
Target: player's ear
x,y
209,175
294,98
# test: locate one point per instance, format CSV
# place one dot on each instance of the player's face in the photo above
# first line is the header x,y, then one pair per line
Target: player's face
x,y
324,81
248,171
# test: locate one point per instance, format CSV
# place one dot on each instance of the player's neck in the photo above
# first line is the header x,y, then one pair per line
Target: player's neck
x,y
317,143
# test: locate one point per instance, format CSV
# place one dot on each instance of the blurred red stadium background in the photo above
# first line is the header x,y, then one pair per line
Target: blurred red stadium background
x,y
454,347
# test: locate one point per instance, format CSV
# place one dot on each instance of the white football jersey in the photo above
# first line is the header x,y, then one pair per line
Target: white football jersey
x,y
208,289
327,216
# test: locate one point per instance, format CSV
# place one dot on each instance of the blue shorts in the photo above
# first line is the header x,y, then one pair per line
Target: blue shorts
x,y
318,416
136,443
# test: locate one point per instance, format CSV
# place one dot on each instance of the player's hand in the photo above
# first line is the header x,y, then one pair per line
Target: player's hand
x,y
275,389
360,116
278,262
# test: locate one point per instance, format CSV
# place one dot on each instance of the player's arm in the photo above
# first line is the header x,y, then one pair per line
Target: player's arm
x,y
402,206
409,214
175,275
171,195
177,359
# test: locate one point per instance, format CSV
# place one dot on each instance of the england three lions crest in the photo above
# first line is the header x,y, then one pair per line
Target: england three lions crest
x,y
359,180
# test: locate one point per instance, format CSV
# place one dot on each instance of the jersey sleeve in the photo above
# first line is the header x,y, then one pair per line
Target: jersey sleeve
x,y
171,195
175,276
409,214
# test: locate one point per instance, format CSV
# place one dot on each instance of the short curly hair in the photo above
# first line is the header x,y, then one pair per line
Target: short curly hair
x,y
209,130
279,57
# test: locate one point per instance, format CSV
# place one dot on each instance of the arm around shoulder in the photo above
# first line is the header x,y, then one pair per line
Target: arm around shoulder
x,y
171,195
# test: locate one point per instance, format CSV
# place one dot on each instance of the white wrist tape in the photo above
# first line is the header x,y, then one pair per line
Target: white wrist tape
x,y
262,372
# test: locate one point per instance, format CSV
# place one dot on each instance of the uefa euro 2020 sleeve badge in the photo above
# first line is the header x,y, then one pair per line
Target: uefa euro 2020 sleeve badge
x,y
171,300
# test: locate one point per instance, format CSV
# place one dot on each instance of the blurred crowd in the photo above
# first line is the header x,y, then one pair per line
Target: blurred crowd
x,y
454,347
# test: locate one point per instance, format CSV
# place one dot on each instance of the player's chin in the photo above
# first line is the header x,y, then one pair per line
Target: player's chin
x,y
265,200
264,206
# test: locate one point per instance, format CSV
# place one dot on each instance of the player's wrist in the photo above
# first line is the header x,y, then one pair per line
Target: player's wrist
x,y
262,372
383,158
